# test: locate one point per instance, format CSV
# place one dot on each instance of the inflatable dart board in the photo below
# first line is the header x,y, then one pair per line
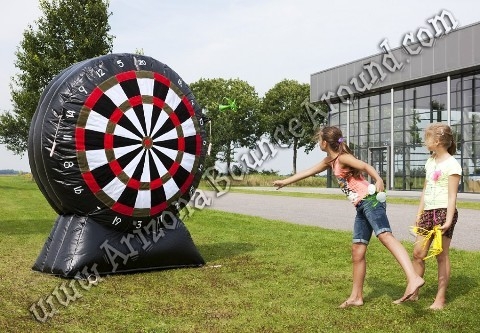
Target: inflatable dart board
x,y
117,146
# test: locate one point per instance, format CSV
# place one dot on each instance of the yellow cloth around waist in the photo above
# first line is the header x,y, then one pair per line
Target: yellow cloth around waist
x,y
436,233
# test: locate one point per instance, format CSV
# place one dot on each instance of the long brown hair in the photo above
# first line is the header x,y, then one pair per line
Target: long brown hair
x,y
335,140
443,133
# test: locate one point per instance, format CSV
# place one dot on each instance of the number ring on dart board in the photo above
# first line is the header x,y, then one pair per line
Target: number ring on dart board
x,y
138,138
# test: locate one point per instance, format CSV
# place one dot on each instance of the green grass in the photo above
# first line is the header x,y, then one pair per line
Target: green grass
x,y
261,276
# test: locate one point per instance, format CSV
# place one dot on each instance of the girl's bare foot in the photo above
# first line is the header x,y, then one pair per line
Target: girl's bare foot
x,y
412,298
437,305
411,293
349,303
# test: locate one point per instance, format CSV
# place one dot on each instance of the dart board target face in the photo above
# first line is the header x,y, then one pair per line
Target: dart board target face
x,y
121,139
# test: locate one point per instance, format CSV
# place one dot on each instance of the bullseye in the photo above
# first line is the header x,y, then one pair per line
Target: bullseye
x,y
147,142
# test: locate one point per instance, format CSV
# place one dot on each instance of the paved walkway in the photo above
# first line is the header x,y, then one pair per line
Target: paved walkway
x,y
339,214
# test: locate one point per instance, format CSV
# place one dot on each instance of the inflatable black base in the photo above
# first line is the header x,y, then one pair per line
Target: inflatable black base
x,y
79,247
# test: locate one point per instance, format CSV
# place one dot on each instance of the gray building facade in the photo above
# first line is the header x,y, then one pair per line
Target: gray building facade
x,y
383,103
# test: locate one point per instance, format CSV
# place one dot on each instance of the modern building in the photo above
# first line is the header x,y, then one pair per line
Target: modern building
x,y
383,103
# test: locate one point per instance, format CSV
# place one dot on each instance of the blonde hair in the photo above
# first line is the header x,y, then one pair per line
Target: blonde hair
x,y
443,134
334,138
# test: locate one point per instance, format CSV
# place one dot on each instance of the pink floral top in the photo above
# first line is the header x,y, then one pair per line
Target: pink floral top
x,y
354,188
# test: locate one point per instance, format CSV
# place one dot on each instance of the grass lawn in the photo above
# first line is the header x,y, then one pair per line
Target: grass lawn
x,y
261,276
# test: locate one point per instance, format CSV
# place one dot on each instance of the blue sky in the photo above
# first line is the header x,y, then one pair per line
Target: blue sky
x,y
261,42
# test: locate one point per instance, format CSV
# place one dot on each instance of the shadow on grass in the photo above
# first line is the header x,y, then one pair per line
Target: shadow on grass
x,y
383,288
458,286
217,251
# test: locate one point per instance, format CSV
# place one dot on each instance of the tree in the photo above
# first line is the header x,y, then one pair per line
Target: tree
x,y
68,32
285,118
230,129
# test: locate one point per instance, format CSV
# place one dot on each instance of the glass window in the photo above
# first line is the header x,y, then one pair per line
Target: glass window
x,y
386,98
374,100
374,132
455,116
439,87
467,96
369,114
422,91
385,138
343,117
408,136
385,111
476,96
467,82
471,131
476,117
408,107
471,166
334,119
385,126
414,126
457,130
455,84
363,102
374,113
353,135
439,102
398,137
439,107
398,95
398,123
466,114
364,128
409,93
363,141
363,154
398,109
353,116
423,104
363,115
455,100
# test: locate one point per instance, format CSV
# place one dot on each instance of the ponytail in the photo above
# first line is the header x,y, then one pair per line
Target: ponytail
x,y
453,147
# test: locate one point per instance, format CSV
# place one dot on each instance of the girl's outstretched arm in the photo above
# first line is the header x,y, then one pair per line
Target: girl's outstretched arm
x,y
317,168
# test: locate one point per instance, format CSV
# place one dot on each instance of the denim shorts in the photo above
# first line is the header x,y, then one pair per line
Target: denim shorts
x,y
368,219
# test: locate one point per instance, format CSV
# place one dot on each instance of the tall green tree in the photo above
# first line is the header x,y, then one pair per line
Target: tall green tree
x,y
285,117
69,31
230,129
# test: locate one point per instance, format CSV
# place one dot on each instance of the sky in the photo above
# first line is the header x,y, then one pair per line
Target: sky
x,y
261,42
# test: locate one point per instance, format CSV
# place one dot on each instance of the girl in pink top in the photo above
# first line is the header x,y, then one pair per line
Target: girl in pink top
x,y
371,214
